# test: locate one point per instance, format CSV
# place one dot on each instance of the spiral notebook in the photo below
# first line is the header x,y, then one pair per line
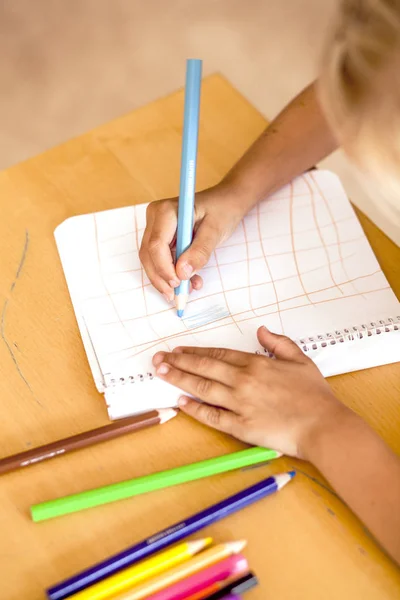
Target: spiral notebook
x,y
298,263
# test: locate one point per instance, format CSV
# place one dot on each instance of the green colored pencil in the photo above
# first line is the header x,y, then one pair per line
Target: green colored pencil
x,y
150,483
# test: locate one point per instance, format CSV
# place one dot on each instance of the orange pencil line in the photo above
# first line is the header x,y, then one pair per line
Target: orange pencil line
x,y
269,255
266,239
201,328
120,235
148,318
223,291
326,202
248,264
292,241
176,336
267,265
103,280
323,245
257,285
232,290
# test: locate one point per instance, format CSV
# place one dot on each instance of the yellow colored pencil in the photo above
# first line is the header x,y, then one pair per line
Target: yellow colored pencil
x,y
145,569
202,561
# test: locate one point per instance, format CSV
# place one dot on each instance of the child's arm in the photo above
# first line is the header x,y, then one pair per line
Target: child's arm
x,y
286,404
296,140
364,472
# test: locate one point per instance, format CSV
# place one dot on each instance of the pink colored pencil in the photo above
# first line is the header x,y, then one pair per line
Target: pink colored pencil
x,y
233,565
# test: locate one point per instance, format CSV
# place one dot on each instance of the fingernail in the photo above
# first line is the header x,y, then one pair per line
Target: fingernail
x,y
174,283
263,327
158,358
177,350
188,270
182,401
163,369
196,284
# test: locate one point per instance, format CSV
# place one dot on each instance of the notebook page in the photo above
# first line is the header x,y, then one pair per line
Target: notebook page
x,y
299,263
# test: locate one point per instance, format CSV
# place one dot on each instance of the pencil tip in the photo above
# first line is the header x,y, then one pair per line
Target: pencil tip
x,y
274,453
180,303
283,479
198,545
166,414
236,547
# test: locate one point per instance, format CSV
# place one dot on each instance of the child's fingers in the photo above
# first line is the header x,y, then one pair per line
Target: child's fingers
x,y
197,282
232,357
280,345
154,278
213,416
155,251
207,390
198,254
201,365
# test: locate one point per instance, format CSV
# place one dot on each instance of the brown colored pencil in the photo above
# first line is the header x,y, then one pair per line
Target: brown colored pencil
x,y
87,438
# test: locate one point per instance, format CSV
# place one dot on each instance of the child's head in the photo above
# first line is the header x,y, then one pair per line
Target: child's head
x,y
360,85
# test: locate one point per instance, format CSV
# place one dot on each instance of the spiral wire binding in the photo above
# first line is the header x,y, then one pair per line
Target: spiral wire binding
x,y
357,332
307,344
340,336
117,381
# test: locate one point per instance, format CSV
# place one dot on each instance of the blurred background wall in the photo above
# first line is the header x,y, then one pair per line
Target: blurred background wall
x,y
69,65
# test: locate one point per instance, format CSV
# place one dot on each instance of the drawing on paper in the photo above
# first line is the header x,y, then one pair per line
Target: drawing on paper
x,y
297,263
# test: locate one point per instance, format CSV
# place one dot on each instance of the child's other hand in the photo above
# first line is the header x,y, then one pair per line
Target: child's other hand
x,y
278,403
217,214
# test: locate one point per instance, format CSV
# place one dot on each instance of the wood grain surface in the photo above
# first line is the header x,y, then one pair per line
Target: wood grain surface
x,y
302,543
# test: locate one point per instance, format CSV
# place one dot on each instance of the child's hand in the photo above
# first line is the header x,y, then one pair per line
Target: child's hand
x,y
278,403
217,214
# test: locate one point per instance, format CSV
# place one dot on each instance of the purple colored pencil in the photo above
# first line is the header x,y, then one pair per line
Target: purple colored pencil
x,y
168,536
231,597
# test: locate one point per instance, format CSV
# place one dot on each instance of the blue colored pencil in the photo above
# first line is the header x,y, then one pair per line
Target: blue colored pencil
x,y
168,536
188,172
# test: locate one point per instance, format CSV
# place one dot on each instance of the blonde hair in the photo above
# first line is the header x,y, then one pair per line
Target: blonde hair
x,y
359,85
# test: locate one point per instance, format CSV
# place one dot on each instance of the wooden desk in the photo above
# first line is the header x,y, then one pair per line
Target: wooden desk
x,y
303,543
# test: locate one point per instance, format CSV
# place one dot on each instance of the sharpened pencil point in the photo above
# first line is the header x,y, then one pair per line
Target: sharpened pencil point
x,y
237,547
198,545
166,414
283,479
180,303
